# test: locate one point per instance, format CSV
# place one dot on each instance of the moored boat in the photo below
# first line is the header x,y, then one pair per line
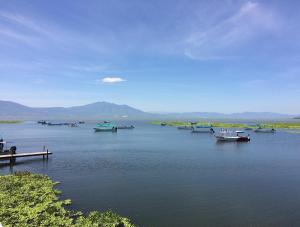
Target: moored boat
x,y
163,124
228,136
105,127
203,129
42,122
4,149
185,127
125,127
54,124
265,130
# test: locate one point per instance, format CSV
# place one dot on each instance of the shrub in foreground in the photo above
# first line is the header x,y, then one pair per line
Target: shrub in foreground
x,y
28,199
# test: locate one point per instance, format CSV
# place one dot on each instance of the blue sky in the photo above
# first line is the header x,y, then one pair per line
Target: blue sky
x,y
225,56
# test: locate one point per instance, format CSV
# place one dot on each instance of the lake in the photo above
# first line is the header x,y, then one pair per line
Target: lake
x,y
161,176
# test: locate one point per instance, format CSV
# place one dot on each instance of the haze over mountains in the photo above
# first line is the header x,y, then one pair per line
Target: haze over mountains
x,y
98,110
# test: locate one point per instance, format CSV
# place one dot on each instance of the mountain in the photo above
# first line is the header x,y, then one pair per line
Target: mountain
x,y
12,110
98,110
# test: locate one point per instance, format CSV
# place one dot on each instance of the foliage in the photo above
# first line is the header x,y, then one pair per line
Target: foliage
x,y
107,219
10,122
28,199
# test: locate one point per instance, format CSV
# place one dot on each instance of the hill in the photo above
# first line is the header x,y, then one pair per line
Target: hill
x,y
12,110
95,111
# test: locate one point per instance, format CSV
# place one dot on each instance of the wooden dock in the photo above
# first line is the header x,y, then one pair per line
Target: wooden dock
x,y
12,157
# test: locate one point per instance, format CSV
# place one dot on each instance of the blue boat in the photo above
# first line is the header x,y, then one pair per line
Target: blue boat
x,y
106,127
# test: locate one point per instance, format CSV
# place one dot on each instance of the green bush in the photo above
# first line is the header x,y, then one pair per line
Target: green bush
x,y
28,199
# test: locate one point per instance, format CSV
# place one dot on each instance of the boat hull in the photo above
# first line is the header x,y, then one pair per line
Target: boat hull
x,y
265,130
105,129
185,128
233,138
203,130
126,127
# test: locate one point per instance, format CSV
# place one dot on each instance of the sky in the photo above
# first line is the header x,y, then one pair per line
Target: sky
x,y
163,56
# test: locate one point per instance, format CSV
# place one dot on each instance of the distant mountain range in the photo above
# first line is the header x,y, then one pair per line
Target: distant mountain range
x,y
100,110
12,110
243,115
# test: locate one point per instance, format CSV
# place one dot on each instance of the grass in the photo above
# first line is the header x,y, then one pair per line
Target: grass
x,y
28,199
10,122
279,125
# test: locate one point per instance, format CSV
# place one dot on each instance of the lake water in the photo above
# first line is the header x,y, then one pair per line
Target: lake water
x,y
161,176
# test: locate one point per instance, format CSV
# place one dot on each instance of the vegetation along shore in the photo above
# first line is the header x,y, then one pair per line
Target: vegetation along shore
x,y
10,122
28,199
279,125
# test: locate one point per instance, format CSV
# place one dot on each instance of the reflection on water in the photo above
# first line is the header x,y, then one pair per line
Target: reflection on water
x,y
161,176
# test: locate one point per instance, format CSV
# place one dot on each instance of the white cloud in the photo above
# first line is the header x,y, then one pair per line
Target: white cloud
x,y
112,80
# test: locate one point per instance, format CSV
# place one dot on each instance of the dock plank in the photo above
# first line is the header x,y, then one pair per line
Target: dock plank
x,y
20,155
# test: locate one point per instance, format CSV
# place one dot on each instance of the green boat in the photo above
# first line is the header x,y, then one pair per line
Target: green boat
x,y
106,127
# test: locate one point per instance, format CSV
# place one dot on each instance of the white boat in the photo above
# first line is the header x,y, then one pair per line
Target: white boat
x,y
229,136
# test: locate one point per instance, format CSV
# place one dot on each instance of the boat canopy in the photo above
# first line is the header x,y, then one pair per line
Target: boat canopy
x,y
106,125
239,131
203,126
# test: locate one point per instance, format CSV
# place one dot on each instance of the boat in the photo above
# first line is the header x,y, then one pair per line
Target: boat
x,y
54,124
185,127
105,127
126,127
81,122
264,130
106,122
193,122
42,122
228,136
163,124
2,143
4,149
203,129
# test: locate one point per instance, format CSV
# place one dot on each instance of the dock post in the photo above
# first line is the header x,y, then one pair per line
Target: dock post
x,y
12,160
44,149
47,154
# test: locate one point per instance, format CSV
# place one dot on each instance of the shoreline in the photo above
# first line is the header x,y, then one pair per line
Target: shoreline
x,y
276,125
10,122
